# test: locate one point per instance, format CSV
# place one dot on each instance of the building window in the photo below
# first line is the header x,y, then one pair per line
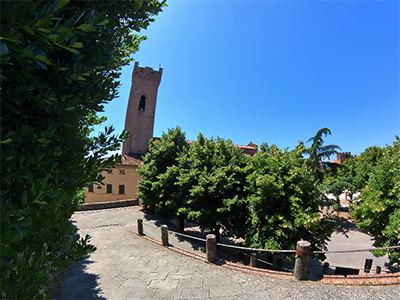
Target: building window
x,y
109,188
122,189
122,172
109,171
142,103
99,187
91,188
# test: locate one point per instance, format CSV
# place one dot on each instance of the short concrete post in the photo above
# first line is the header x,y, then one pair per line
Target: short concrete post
x,y
253,260
164,235
325,270
303,250
211,247
378,270
140,226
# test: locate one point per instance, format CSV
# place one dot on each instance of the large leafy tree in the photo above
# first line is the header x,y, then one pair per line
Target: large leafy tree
x,y
60,62
318,152
378,211
284,201
214,174
159,173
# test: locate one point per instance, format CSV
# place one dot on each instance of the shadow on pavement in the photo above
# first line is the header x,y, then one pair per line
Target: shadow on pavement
x,y
79,284
345,225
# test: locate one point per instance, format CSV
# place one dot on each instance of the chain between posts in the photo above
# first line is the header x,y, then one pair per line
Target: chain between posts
x,y
273,250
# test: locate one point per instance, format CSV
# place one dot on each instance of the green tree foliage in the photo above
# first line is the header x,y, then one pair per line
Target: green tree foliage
x,y
318,153
366,164
60,62
379,210
284,201
157,187
214,174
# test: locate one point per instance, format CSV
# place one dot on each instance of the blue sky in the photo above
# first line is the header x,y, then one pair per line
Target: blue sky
x,y
274,71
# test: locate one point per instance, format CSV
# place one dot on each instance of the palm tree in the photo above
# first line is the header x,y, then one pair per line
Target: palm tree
x,y
318,152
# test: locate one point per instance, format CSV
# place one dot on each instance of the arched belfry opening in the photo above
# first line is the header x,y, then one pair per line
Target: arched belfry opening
x,y
142,103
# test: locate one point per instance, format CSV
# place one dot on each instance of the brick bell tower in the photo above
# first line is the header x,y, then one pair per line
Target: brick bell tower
x,y
141,110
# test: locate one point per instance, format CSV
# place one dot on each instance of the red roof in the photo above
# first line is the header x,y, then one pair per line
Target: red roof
x,y
126,160
130,161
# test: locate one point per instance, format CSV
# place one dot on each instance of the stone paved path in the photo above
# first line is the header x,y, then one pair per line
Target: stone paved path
x,y
126,266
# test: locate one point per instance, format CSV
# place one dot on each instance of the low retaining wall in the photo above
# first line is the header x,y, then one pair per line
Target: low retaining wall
x,y
110,204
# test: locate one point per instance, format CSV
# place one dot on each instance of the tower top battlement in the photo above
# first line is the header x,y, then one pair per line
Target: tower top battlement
x,y
147,72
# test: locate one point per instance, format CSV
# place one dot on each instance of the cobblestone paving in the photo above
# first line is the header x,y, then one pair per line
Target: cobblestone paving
x,y
126,266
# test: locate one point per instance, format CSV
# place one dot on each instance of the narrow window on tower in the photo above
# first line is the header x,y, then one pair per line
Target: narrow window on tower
x,y
142,103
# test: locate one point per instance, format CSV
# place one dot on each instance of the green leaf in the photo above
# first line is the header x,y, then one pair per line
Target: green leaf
x,y
62,3
44,182
77,45
41,65
6,251
86,27
27,52
40,202
28,30
102,23
9,140
43,59
53,37
13,38
3,48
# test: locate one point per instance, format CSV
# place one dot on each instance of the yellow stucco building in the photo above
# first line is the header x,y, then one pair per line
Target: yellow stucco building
x,y
120,182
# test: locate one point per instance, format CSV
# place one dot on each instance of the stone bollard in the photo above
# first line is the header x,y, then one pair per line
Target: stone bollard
x,y
164,235
253,260
378,270
325,270
211,247
303,250
140,226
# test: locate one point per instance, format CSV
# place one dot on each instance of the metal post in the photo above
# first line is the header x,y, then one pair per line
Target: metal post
x,y
303,250
140,226
253,260
367,265
211,247
279,264
164,235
